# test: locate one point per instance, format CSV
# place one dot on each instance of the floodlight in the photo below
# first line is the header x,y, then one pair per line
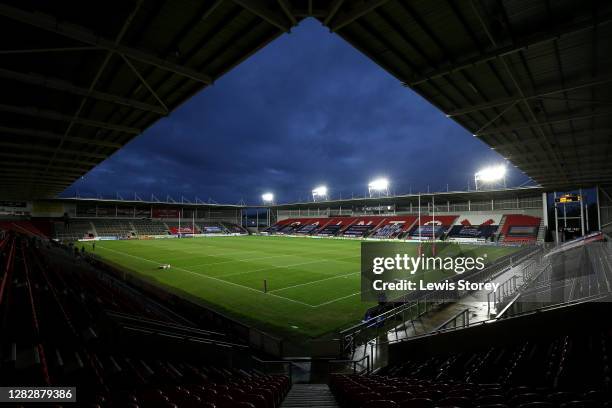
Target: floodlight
x,y
378,187
267,197
381,184
491,175
319,192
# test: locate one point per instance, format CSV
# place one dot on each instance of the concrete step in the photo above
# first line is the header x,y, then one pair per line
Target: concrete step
x,y
310,395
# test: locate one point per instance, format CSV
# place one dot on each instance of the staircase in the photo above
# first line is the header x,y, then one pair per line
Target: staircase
x,y
500,228
93,228
541,232
309,395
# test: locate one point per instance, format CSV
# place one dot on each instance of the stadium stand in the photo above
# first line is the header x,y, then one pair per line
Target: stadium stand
x,y
362,226
147,226
108,227
475,227
212,228
333,226
499,366
519,228
345,226
429,226
25,227
233,228
310,226
130,228
60,323
515,229
74,230
183,229
290,226
393,226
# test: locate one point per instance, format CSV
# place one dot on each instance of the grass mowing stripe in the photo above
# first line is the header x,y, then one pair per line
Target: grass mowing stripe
x,y
309,292
314,281
210,277
336,300
286,267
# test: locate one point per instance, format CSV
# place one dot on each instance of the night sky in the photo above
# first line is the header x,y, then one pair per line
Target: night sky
x,y
306,110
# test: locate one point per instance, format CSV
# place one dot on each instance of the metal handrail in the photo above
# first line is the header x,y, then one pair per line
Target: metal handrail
x,y
499,266
466,320
355,362
283,363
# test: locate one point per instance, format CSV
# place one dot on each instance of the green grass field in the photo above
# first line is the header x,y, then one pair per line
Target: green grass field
x,y
313,284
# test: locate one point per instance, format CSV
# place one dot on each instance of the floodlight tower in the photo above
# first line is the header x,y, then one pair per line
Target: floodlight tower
x,y
378,188
267,199
319,193
490,176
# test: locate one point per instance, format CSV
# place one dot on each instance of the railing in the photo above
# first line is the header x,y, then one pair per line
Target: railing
x,y
463,316
354,363
507,291
285,367
417,304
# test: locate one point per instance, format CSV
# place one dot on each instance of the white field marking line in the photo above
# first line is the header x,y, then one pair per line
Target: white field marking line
x,y
246,259
314,281
274,267
335,300
213,278
273,256
239,260
220,255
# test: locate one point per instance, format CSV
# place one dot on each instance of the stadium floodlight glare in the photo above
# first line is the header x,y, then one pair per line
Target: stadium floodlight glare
x,y
378,187
319,193
267,198
491,175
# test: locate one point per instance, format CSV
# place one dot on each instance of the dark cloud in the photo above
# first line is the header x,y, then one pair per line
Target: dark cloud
x,y
308,109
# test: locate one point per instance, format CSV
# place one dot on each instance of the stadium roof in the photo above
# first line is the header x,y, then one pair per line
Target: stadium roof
x,y
440,197
531,78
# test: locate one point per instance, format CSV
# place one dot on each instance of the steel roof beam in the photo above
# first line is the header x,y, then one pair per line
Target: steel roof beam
x,y
36,178
335,6
576,164
286,7
345,19
551,121
593,156
15,163
55,136
52,149
49,114
603,134
259,8
64,86
510,49
51,24
45,158
550,90
17,187
146,84
38,175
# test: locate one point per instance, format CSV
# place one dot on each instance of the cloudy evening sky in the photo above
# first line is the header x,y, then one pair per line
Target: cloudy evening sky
x,y
306,110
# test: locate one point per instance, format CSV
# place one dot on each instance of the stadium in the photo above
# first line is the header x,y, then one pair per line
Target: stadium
x,y
492,296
